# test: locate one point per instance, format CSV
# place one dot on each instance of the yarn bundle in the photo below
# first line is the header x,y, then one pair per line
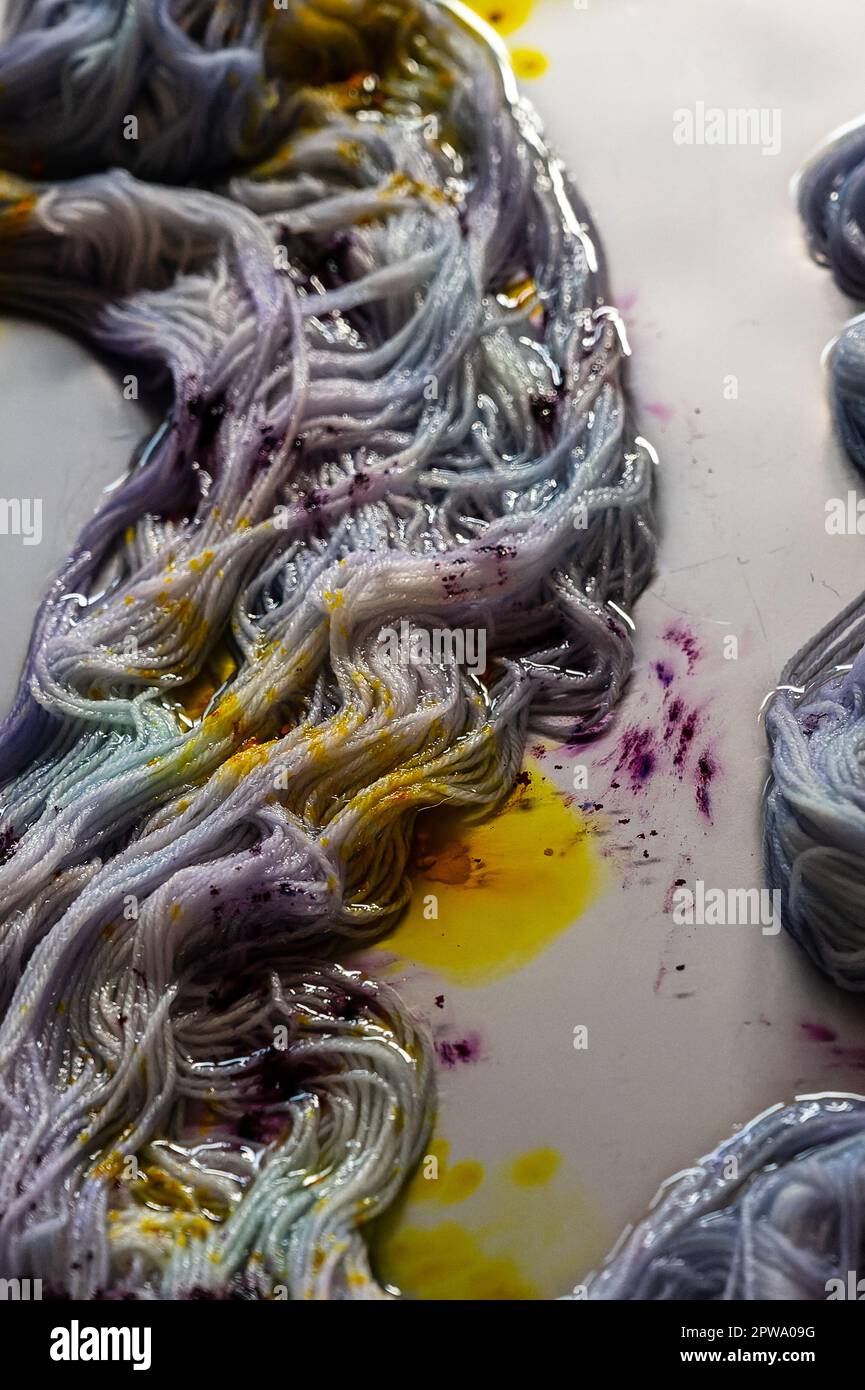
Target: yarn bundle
x,y
329,237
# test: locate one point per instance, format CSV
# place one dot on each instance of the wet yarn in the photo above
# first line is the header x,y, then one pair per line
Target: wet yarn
x,y
775,1212
330,236
815,802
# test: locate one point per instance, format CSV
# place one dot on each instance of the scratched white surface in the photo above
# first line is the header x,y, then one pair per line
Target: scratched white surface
x,y
706,254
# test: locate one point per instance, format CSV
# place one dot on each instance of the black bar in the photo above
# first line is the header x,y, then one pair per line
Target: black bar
x,y
202,1336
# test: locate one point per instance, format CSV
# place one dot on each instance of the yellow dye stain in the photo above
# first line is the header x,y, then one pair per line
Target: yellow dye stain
x,y
448,1185
517,293
524,1244
196,695
180,1226
439,1149
504,888
14,215
109,1167
164,1194
503,15
161,1192
534,1168
250,754
460,1182
184,612
222,722
529,63
447,1262
350,150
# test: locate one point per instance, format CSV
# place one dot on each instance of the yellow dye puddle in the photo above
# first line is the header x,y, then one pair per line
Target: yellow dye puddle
x,y
525,1245
447,1262
502,889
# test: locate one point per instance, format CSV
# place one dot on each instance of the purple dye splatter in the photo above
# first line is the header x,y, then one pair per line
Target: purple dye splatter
x,y
849,1056
674,712
641,752
664,673
686,642
637,756
818,1032
453,1053
706,770
845,1054
689,726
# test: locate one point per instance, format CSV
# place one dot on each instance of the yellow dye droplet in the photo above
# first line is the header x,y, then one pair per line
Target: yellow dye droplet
x,y
460,1182
436,1182
502,889
534,1168
502,15
529,63
251,754
199,562
448,1262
